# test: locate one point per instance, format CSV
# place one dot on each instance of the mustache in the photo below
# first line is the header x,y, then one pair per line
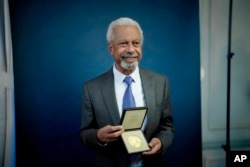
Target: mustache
x,y
129,55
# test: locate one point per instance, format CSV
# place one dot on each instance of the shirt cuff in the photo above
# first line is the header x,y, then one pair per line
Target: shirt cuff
x,y
102,144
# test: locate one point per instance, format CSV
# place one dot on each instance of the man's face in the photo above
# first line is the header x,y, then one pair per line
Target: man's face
x,y
126,48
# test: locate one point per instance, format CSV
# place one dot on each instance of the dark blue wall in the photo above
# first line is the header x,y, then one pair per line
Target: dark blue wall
x,y
59,44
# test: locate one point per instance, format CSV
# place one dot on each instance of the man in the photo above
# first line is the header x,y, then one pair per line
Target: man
x,y
103,100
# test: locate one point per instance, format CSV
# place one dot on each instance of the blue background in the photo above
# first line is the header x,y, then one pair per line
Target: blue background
x,y
59,44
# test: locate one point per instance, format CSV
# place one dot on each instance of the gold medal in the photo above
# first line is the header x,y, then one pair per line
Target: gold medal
x,y
134,141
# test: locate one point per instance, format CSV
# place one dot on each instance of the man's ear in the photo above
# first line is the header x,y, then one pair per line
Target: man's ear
x,y
111,49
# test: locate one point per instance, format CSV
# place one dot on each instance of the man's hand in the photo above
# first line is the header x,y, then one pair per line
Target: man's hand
x,y
109,133
155,145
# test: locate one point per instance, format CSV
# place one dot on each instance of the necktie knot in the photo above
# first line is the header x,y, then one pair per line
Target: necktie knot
x,y
128,80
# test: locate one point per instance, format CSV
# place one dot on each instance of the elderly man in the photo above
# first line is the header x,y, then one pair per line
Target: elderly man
x,y
103,100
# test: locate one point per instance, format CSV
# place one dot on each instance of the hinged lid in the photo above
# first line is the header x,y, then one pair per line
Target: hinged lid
x,y
132,118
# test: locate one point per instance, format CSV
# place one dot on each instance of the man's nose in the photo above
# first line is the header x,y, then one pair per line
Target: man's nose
x,y
130,48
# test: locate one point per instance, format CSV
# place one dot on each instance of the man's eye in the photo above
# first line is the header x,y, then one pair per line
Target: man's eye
x,y
123,43
136,43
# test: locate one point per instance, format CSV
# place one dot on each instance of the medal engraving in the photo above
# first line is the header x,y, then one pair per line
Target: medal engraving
x,y
134,141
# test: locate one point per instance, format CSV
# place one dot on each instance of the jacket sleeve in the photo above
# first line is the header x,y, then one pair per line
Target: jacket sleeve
x,y
88,129
161,120
166,127
95,116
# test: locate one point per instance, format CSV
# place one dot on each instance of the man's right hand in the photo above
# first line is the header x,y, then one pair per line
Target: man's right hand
x,y
109,133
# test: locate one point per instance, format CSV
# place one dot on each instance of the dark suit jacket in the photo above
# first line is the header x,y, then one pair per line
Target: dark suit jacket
x,y
100,109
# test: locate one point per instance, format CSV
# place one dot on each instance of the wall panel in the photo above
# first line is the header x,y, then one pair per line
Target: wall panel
x,y
214,49
60,44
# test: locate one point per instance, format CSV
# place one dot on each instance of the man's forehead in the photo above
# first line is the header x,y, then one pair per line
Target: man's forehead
x,y
127,32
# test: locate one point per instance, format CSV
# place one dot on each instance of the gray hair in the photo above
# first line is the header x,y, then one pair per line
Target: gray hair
x,y
123,21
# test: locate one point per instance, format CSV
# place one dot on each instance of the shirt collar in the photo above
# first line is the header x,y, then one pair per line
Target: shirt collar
x,y
119,77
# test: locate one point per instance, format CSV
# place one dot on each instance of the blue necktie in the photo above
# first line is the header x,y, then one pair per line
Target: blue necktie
x,y
128,98
128,102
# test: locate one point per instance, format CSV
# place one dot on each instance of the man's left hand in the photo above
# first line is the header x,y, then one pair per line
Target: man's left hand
x,y
155,145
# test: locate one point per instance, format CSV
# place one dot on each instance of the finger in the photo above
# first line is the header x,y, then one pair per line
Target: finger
x,y
111,129
116,128
103,133
110,133
150,152
115,134
150,145
154,148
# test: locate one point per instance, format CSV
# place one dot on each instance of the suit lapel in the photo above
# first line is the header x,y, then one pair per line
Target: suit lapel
x,y
108,93
148,87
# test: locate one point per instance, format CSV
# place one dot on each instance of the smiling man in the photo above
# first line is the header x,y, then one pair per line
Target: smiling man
x,y
103,103
126,48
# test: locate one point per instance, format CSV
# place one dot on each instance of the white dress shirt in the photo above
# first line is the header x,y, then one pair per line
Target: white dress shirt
x,y
121,86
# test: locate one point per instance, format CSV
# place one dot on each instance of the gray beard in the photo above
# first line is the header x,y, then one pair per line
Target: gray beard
x,y
129,66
